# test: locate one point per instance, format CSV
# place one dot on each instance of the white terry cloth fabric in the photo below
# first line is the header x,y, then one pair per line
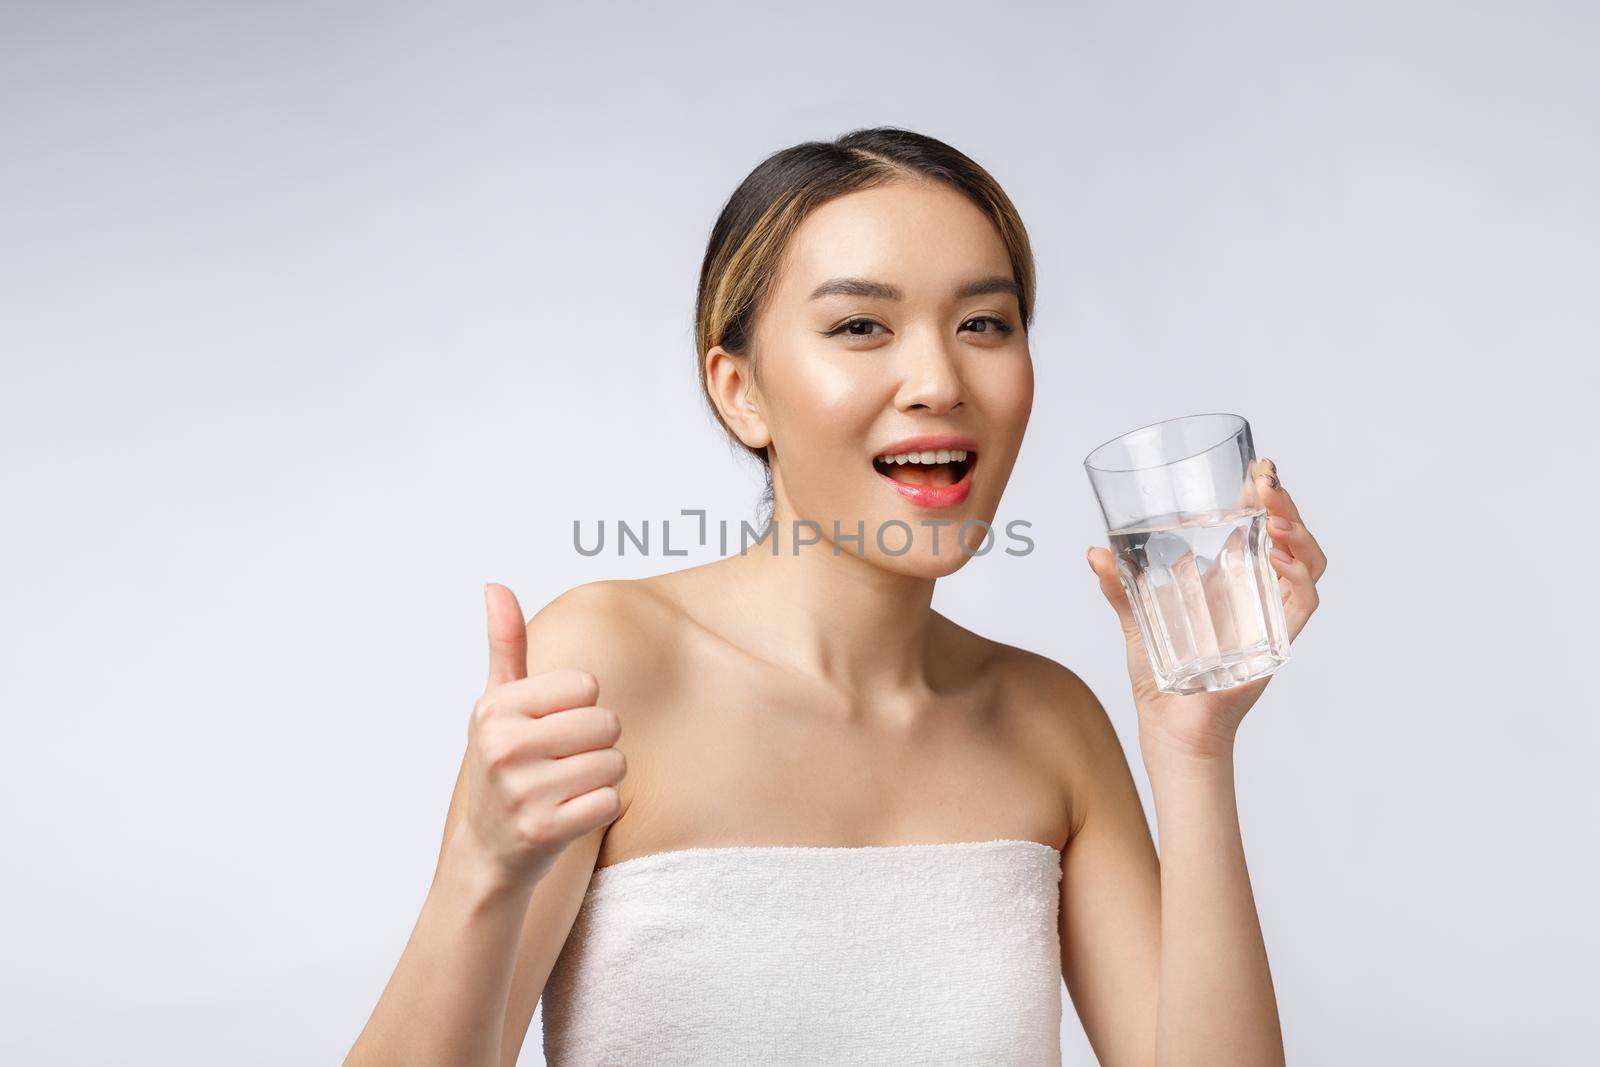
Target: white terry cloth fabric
x,y
881,954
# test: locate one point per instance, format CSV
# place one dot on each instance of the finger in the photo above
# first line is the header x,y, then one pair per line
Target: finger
x,y
1301,596
545,693
1279,502
1250,493
563,732
1274,497
563,779
580,729
587,812
1293,536
508,636
1104,565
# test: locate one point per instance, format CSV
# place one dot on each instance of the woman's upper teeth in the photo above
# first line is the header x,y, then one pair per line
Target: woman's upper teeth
x,y
942,455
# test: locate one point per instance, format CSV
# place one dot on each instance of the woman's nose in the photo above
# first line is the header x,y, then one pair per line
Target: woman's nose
x,y
931,380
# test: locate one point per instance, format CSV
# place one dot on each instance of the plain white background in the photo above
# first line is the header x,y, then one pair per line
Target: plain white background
x,y
314,318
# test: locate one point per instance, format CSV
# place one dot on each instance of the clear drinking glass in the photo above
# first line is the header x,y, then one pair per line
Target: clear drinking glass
x,y
1190,536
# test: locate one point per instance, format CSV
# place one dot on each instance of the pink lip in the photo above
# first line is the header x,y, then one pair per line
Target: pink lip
x,y
932,496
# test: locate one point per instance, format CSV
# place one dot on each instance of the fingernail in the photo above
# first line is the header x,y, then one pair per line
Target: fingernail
x,y
1271,464
1272,480
1279,524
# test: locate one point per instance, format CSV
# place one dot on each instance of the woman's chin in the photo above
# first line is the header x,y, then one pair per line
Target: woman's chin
x,y
921,559
920,564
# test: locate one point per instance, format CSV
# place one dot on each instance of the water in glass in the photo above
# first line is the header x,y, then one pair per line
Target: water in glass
x,y
1206,597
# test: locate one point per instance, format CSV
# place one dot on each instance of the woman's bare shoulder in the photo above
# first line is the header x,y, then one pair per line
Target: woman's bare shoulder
x,y
620,631
1026,674
613,628
1057,691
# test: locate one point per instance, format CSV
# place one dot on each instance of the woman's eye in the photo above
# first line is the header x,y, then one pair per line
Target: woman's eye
x,y
854,328
989,324
983,324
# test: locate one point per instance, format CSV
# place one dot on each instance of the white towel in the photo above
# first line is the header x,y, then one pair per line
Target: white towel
x,y
884,954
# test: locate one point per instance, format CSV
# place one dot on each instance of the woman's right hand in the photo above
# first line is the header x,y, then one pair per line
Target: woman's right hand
x,y
543,768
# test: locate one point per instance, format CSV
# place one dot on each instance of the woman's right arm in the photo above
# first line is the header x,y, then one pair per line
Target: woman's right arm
x,y
537,789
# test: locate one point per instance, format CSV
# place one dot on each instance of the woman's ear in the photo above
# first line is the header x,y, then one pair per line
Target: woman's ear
x,y
730,380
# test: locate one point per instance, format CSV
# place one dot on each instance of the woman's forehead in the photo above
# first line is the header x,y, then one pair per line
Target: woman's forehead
x,y
916,237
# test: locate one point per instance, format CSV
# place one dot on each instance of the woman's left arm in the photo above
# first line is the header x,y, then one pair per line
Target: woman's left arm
x,y
1214,997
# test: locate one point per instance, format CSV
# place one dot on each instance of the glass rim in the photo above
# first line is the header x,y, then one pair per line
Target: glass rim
x,y
1241,420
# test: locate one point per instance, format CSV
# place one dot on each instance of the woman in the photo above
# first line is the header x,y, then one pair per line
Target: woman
x,y
775,807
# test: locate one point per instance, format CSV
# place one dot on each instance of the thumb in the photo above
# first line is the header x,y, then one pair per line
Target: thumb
x,y
508,636
1104,565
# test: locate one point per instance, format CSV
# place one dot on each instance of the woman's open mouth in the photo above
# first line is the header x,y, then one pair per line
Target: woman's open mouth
x,y
938,478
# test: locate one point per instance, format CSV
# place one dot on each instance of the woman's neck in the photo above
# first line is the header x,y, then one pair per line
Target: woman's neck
x,y
832,614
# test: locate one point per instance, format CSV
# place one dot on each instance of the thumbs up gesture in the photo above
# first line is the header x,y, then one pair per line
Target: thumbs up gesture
x,y
542,766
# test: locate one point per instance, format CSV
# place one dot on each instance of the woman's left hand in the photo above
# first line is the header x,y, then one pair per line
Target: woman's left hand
x,y
1204,724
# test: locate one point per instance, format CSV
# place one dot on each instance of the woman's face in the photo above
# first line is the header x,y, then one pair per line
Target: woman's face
x,y
894,318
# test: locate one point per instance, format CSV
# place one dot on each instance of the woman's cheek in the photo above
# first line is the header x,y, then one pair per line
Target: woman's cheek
x,y
1025,396
1008,395
839,393
1009,405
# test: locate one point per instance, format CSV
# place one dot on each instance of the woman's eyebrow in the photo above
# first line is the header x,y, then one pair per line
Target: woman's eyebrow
x,y
856,287
992,284
884,291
